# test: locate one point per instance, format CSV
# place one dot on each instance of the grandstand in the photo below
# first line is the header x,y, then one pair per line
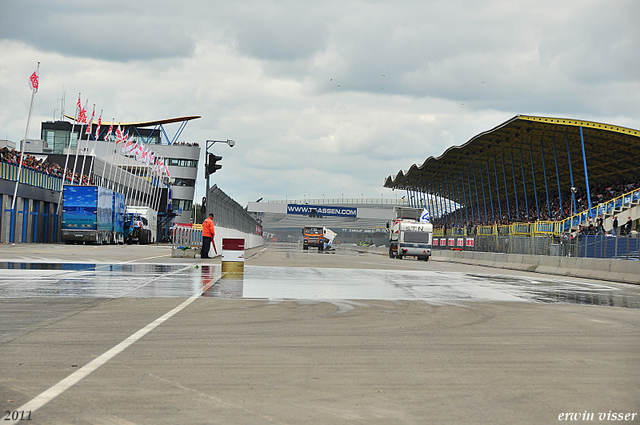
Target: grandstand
x,y
533,176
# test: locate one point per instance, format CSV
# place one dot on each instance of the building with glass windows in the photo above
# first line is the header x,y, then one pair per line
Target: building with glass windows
x,y
60,138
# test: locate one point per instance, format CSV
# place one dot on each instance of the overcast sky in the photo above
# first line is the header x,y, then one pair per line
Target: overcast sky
x,y
323,98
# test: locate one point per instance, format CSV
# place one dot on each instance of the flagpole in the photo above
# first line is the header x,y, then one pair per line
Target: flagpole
x,y
34,89
118,168
134,186
95,146
111,185
75,162
66,161
155,188
150,177
128,176
137,182
122,169
159,189
84,157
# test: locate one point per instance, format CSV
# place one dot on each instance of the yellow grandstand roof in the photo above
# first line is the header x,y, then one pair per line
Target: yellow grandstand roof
x,y
610,151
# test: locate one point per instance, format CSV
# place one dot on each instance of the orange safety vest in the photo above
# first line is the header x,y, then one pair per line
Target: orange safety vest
x,y
207,228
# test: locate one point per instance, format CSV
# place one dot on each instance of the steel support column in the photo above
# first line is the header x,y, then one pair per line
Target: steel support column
x,y
555,158
438,204
495,170
484,196
506,190
575,207
464,194
515,188
450,191
524,183
546,186
586,174
470,194
533,176
475,183
493,215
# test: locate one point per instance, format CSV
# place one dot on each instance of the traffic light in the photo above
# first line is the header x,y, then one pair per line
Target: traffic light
x,y
212,167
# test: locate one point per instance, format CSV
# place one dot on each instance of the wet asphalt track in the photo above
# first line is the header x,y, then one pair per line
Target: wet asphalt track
x,y
129,335
105,279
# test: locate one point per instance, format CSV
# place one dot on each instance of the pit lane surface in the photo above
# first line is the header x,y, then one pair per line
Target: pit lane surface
x,y
308,338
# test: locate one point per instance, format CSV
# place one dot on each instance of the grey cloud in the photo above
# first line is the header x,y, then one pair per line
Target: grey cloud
x,y
277,31
113,33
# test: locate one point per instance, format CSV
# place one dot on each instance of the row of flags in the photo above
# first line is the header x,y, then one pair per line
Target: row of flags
x,y
141,152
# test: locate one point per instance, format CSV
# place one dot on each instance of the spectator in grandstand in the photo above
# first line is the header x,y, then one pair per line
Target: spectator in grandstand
x,y
614,231
12,156
627,226
600,226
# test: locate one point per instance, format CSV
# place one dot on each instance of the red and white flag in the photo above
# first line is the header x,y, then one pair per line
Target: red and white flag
x,y
128,146
141,153
99,124
90,123
109,131
34,80
119,136
132,147
156,165
82,115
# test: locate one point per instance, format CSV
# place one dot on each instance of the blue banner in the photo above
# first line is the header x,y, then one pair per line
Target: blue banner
x,y
321,210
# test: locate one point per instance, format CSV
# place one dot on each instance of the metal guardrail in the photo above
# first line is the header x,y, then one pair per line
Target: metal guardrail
x,y
606,208
183,237
30,177
228,213
585,246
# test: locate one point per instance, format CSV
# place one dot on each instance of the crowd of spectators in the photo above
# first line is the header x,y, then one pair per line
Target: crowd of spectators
x,y
466,217
186,144
30,162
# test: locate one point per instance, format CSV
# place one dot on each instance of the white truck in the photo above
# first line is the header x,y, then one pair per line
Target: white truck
x,y
141,224
408,235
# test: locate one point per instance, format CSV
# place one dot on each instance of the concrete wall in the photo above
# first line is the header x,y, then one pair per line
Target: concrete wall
x,y
250,241
627,271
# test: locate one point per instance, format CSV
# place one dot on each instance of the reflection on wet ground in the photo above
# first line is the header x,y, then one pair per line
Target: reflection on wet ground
x,y
21,280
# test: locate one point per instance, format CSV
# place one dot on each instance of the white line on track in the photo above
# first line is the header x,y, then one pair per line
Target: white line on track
x,y
142,259
68,382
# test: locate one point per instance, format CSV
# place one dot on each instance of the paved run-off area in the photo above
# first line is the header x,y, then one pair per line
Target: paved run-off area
x,y
294,361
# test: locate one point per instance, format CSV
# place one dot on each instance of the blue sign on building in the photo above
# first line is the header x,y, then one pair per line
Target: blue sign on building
x,y
319,210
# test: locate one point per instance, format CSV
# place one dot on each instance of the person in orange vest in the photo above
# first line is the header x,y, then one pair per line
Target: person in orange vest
x,y
208,232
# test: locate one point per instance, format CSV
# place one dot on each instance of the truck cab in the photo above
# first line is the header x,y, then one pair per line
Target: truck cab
x,y
319,237
408,236
140,225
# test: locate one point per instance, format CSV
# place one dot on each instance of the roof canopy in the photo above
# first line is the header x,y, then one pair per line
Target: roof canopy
x,y
143,123
525,147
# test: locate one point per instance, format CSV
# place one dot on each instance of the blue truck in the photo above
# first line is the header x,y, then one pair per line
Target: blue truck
x,y
92,214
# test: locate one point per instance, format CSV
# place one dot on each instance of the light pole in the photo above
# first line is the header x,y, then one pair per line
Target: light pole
x,y
210,143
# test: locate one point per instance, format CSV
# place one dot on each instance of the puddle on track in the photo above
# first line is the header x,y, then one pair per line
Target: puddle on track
x,y
22,280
